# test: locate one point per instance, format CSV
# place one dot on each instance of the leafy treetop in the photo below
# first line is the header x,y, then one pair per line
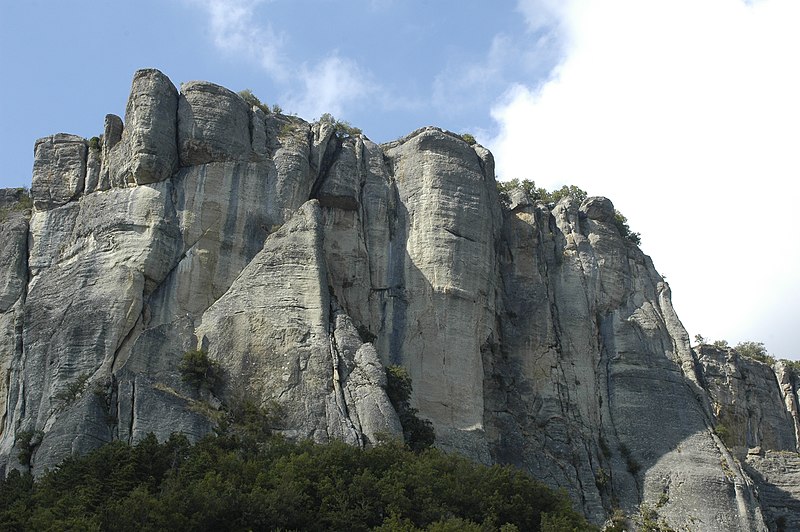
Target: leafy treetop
x,y
343,129
418,433
541,194
221,484
198,370
253,100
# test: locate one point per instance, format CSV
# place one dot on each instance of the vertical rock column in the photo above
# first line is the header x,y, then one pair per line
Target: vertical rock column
x,y
13,278
449,269
147,151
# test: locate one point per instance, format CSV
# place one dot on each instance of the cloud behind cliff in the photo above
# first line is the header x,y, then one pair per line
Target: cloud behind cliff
x,y
242,28
235,30
686,114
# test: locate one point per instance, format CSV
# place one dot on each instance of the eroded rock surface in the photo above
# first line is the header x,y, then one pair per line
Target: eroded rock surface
x,y
304,261
59,170
213,124
777,474
146,150
747,400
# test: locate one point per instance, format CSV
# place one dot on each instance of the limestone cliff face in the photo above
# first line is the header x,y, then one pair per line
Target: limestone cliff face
x,y
534,334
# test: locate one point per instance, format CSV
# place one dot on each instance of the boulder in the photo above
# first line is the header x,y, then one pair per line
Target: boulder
x,y
598,208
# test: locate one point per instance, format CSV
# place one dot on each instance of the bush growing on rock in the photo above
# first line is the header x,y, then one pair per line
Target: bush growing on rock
x,y
26,443
23,202
198,370
754,350
418,433
343,129
73,390
624,229
553,197
505,187
252,100
549,197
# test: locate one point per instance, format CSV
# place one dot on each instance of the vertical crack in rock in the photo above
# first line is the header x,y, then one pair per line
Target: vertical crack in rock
x,y
338,391
132,420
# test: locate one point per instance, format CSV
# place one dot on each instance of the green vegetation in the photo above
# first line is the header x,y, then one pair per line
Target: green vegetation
x,y
469,139
252,100
649,521
632,465
343,129
24,203
94,143
601,479
286,129
418,433
73,390
578,194
724,433
619,522
25,200
222,483
793,366
365,334
505,187
541,194
624,230
754,350
26,442
553,197
199,370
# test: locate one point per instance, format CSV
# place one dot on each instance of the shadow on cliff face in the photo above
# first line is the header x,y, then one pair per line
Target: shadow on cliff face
x,y
777,476
384,262
592,385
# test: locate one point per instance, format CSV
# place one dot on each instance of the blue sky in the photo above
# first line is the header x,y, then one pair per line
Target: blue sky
x,y
685,113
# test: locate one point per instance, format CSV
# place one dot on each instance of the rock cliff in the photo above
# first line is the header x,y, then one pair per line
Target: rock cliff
x,y
304,260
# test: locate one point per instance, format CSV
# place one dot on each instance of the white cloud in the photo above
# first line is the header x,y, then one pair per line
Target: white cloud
x,y
686,114
542,14
326,87
330,86
458,85
235,30
469,84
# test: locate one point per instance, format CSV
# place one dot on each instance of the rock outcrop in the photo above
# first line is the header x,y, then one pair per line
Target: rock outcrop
x,y
59,170
145,151
304,260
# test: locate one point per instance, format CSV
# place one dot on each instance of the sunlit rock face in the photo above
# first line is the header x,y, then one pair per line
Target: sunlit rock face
x,y
304,260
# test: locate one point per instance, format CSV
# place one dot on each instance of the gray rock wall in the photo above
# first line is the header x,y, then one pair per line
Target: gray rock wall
x,y
747,400
59,170
777,474
304,261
